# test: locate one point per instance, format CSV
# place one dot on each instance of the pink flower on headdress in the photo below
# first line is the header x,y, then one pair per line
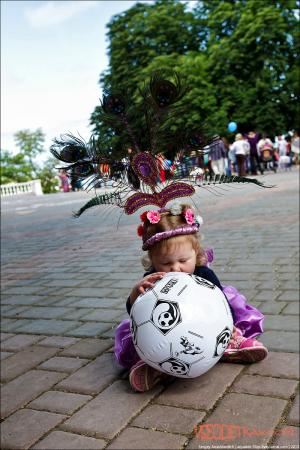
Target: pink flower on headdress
x,y
189,216
153,216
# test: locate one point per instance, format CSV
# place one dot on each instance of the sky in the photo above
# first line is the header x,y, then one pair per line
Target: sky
x,y
52,54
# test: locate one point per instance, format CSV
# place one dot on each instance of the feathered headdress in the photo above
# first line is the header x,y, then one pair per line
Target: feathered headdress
x,y
143,127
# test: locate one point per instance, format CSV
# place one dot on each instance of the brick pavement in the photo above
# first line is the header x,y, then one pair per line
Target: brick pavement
x,y
64,287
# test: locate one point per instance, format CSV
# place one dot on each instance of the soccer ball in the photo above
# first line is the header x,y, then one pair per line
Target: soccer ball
x,y
182,325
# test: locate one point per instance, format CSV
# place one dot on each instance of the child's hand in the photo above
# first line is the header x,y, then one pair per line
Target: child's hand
x,y
145,283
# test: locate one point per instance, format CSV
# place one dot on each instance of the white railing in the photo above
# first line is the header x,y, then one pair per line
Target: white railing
x,y
28,187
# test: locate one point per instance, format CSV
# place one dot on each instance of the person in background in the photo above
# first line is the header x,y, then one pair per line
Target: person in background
x,y
267,153
282,145
241,149
252,137
217,156
295,147
64,179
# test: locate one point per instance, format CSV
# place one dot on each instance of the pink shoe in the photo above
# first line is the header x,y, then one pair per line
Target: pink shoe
x,y
142,377
244,350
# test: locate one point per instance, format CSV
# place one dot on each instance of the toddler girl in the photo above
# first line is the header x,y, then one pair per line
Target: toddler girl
x,y
172,239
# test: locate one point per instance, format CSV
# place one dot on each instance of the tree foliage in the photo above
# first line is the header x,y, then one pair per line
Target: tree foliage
x,y
30,145
238,57
14,168
23,167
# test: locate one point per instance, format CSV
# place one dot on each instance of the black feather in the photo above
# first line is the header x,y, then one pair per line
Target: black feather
x,y
106,199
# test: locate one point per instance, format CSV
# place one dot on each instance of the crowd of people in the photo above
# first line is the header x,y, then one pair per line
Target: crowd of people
x,y
249,154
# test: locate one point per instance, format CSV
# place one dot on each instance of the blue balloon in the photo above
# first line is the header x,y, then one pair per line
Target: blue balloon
x,y
232,126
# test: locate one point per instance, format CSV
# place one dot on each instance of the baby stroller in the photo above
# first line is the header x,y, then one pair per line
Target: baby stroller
x,y
267,157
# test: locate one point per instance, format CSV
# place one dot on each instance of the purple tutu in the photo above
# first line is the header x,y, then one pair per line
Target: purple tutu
x,y
245,317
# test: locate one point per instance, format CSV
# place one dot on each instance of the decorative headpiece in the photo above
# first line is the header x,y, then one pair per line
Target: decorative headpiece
x,y
191,226
137,177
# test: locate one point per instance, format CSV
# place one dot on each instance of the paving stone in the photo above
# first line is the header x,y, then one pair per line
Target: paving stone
x,y
201,392
63,364
293,417
271,307
4,336
58,301
98,303
44,312
287,341
25,360
280,365
271,387
53,291
110,334
4,355
289,296
91,329
58,341
21,290
13,324
103,315
137,438
94,377
291,308
287,437
87,348
21,300
267,295
45,326
30,425
169,419
110,411
77,313
246,433
25,388
64,283
90,292
13,311
19,342
59,402
288,323
60,440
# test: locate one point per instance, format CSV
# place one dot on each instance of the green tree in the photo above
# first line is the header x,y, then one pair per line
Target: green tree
x,y
139,37
14,168
252,48
30,144
238,57
48,176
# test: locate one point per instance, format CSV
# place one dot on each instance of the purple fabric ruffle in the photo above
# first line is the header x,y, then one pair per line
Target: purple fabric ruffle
x,y
245,317
125,351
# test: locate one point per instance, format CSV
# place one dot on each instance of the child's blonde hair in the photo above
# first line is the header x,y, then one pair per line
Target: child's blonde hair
x,y
167,222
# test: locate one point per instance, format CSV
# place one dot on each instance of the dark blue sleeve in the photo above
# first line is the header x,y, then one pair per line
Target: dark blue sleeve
x,y
208,274
128,305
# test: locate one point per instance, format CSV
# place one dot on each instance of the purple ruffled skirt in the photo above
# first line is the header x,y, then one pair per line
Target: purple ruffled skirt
x,y
245,317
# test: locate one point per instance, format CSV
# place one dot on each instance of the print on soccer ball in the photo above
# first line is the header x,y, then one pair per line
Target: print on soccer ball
x,y
175,366
133,329
202,281
165,315
189,348
222,342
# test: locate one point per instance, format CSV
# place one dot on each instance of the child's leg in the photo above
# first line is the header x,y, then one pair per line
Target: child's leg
x,y
142,377
243,350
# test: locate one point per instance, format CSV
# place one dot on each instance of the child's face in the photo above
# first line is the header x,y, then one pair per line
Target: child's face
x,y
182,258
